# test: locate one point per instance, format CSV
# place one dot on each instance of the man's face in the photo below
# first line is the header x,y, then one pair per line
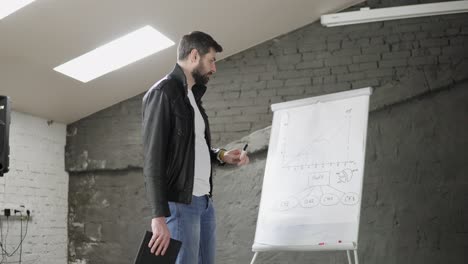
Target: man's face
x,y
205,68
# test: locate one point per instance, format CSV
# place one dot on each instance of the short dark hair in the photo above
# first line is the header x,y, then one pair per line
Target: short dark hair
x,y
198,40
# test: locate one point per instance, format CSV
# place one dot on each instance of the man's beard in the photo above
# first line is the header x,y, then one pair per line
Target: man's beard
x,y
199,77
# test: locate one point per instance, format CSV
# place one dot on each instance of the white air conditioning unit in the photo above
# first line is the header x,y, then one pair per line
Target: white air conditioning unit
x,y
366,15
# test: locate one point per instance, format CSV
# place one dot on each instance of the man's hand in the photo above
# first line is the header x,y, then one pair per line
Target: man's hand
x,y
161,236
236,156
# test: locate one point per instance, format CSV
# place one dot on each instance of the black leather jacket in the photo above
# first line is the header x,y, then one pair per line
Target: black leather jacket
x,y
169,141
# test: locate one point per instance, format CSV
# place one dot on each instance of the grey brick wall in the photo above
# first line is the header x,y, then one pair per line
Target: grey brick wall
x,y
417,137
316,60
414,190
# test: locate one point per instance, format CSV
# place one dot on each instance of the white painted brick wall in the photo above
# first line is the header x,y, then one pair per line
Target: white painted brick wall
x,y
37,180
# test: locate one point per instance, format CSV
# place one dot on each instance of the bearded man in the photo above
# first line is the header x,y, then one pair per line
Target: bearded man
x,y
178,154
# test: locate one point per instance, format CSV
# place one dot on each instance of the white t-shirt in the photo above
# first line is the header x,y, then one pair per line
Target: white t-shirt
x,y
201,184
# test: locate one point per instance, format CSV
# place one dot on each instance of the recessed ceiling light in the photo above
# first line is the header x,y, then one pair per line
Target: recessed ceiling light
x,y
115,54
8,7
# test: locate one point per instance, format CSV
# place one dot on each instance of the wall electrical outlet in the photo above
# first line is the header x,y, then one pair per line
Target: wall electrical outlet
x,y
13,210
21,210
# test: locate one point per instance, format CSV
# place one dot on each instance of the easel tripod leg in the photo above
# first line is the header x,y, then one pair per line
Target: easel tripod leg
x,y
254,257
349,257
355,257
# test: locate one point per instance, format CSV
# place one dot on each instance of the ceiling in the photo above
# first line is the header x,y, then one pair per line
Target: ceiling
x,y
48,33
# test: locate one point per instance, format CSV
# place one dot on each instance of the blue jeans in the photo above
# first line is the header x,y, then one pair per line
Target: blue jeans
x,y
195,225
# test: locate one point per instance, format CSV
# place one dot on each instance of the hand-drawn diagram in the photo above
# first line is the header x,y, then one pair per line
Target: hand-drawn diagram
x,y
326,180
324,188
312,186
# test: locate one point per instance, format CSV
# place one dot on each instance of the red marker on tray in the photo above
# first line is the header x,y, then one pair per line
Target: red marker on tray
x,y
321,243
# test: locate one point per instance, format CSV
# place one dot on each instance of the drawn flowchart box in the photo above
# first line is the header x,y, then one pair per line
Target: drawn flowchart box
x,y
319,178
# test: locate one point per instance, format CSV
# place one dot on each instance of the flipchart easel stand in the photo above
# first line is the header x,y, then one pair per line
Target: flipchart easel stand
x,y
349,247
349,242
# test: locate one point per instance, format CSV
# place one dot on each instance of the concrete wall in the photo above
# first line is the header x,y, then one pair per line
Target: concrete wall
x,y
37,180
414,197
108,216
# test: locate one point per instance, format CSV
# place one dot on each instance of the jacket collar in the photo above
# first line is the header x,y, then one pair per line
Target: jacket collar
x,y
179,75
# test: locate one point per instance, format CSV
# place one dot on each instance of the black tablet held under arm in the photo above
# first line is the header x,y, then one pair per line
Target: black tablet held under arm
x,y
145,256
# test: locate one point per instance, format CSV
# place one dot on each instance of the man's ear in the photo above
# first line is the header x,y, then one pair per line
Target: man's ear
x,y
194,55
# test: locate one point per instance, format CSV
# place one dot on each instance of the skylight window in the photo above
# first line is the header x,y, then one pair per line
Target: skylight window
x,y
8,7
115,54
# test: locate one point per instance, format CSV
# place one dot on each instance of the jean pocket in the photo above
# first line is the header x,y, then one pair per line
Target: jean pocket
x,y
173,209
